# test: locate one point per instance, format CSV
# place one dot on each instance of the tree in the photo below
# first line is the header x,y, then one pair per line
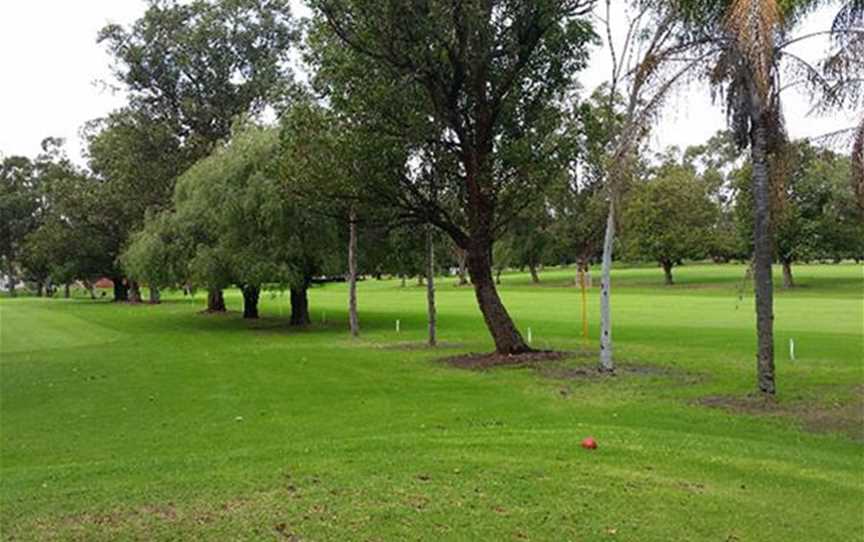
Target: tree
x,y
530,239
748,41
669,217
716,163
19,207
136,160
814,213
649,63
195,67
480,80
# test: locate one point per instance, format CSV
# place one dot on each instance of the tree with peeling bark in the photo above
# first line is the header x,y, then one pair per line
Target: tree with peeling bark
x,y
645,66
482,81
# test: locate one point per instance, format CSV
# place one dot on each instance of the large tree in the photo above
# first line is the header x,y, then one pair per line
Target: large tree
x,y
194,67
482,81
19,208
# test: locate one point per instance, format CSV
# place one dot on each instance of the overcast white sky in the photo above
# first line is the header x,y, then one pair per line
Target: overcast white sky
x,y
51,64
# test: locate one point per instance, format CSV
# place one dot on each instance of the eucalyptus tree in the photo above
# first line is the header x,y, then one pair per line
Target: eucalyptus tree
x,y
196,66
645,66
480,81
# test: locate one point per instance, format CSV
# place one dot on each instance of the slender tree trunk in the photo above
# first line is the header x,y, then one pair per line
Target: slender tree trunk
x,y
66,292
251,294
135,293
498,276
155,295
667,272
762,257
430,288
353,319
300,306
535,278
402,278
215,300
121,291
607,363
788,279
462,260
12,279
420,280
90,288
583,287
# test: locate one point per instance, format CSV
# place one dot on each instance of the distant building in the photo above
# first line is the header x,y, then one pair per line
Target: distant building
x,y
104,283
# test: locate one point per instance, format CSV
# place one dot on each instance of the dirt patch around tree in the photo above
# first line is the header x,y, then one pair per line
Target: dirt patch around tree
x,y
479,362
846,417
567,366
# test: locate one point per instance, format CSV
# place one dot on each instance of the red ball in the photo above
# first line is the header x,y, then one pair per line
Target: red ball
x,y
589,443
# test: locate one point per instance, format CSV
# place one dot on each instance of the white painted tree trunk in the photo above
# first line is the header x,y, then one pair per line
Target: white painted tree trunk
x,y
606,362
353,319
430,288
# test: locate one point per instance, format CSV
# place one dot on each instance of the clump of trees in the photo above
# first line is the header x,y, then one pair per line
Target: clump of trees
x,y
432,135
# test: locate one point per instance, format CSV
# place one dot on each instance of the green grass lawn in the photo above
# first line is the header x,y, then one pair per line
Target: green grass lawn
x,y
123,422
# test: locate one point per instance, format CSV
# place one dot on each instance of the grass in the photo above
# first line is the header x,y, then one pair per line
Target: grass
x,y
145,422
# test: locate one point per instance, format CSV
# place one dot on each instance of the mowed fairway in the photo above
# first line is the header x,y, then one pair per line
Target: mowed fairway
x,y
157,423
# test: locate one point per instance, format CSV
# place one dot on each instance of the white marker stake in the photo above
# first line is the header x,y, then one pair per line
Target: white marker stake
x,y
397,326
792,349
530,337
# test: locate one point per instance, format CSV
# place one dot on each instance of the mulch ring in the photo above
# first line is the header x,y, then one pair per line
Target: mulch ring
x,y
845,417
557,366
479,362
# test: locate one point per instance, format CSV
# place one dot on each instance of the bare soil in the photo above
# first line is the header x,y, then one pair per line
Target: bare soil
x,y
836,417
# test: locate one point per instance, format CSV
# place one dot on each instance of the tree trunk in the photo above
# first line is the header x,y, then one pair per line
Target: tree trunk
x,y
353,320
250,301
462,260
155,296
667,272
607,364
215,300
420,280
762,256
121,291
788,279
12,279
430,288
498,276
135,293
583,287
66,292
90,288
535,278
507,338
402,278
300,306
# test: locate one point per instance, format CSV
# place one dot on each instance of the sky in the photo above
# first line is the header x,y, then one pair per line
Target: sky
x,y
53,75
